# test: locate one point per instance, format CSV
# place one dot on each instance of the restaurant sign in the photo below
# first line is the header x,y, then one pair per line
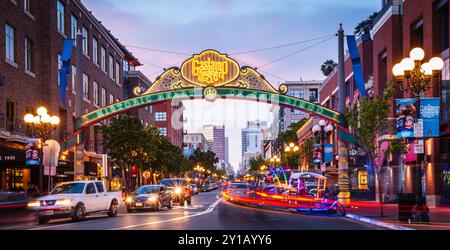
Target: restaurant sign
x,y
210,68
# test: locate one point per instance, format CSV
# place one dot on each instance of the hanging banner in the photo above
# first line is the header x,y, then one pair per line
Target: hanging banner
x,y
317,153
356,63
429,113
406,111
32,153
328,153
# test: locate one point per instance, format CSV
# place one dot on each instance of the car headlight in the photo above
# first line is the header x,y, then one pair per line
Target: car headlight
x,y
129,200
177,190
34,204
63,202
152,199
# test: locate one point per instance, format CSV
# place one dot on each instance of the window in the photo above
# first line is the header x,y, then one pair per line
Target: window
x,y
60,16
382,72
95,89
95,50
99,186
117,73
103,58
74,78
313,95
85,40
73,27
111,98
126,64
9,31
85,87
161,116
163,131
111,67
297,94
90,189
28,55
11,115
440,26
27,6
416,38
103,97
348,88
59,67
445,92
333,102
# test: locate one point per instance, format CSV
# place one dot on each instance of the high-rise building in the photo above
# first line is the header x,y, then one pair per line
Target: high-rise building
x,y
306,90
253,137
215,135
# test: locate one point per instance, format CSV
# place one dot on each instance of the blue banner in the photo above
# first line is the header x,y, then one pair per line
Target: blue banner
x,y
317,153
32,157
429,113
406,111
65,69
357,67
328,153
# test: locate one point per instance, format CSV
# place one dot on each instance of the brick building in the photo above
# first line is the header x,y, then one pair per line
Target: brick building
x,y
31,41
399,27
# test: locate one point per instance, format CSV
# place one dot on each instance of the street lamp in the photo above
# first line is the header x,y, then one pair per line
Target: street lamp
x,y
416,78
43,126
321,133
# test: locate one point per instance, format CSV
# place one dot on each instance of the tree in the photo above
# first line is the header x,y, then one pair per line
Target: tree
x,y
129,143
306,152
368,120
328,66
205,159
288,136
255,165
365,25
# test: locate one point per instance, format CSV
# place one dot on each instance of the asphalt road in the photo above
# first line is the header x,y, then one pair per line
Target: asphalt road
x,y
207,212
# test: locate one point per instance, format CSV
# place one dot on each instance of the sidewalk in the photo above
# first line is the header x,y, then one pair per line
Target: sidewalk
x,y
439,216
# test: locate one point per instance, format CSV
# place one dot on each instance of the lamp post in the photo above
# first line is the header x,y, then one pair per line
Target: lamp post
x,y
322,133
291,148
43,126
416,78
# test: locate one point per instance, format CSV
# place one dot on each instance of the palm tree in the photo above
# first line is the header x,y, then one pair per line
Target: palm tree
x,y
328,66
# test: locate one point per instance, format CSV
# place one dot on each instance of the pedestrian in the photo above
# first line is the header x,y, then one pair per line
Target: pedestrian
x,y
336,192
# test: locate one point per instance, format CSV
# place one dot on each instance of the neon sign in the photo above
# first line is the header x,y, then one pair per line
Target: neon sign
x,y
210,68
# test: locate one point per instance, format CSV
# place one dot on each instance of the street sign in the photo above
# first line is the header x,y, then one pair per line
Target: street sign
x,y
418,129
418,147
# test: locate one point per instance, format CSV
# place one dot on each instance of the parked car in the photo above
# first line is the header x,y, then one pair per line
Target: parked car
x,y
150,197
214,186
13,200
194,189
76,200
180,190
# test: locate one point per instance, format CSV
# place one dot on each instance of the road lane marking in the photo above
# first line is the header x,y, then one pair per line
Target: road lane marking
x,y
207,211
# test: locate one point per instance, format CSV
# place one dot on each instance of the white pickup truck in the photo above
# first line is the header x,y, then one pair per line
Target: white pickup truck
x,y
75,200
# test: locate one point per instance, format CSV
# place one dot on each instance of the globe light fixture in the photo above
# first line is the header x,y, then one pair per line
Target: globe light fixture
x,y
426,68
41,111
322,123
436,64
417,54
45,118
408,64
329,128
54,120
29,118
398,70
316,129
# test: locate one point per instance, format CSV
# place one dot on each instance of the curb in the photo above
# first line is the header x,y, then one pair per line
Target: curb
x,y
377,222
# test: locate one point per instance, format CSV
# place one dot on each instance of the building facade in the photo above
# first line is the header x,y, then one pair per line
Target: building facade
x,y
194,141
306,90
31,42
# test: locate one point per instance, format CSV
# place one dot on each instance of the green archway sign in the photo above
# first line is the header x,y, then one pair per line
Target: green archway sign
x,y
208,75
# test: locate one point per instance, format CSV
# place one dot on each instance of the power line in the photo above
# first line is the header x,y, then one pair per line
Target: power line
x,y
268,73
151,64
159,50
281,46
294,53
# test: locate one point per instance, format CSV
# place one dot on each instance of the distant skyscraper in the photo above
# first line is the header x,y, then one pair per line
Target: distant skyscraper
x,y
252,140
215,135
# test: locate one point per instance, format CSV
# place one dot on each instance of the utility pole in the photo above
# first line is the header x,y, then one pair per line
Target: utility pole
x,y
343,176
79,150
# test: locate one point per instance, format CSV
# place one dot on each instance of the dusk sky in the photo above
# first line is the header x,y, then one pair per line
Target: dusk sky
x,y
232,26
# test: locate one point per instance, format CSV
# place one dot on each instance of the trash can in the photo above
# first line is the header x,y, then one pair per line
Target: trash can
x,y
406,203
